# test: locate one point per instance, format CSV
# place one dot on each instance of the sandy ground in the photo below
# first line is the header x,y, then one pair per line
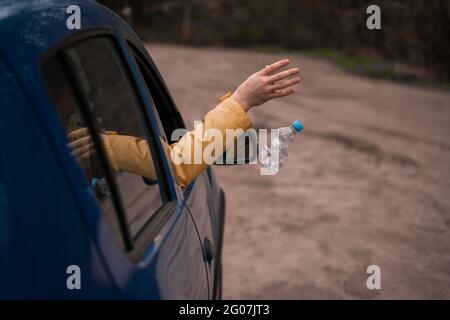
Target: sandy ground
x,y
368,182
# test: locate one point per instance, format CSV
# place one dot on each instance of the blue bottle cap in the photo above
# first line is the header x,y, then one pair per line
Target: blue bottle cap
x,y
297,125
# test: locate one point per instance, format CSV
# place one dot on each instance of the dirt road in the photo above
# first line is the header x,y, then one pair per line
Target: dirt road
x,y
368,182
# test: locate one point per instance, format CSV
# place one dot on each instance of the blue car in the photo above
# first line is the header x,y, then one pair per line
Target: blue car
x,y
72,227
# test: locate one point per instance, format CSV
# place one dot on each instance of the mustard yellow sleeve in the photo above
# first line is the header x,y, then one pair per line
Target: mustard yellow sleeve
x,y
227,115
132,154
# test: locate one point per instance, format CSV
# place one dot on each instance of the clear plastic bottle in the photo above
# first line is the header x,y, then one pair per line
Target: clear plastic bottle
x,y
279,145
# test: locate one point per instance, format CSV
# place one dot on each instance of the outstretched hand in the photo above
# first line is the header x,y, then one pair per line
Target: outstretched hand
x,y
267,84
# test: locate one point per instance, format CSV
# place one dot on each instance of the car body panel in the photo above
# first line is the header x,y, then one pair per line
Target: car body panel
x,y
35,199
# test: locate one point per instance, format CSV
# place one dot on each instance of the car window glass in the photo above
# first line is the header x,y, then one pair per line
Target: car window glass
x,y
67,107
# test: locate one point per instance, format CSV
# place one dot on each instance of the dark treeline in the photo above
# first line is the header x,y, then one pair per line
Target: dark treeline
x,y
415,32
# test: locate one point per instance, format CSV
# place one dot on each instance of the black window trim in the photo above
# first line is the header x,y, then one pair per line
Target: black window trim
x,y
135,246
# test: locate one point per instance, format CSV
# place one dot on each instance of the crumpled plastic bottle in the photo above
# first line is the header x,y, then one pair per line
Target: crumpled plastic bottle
x,y
280,145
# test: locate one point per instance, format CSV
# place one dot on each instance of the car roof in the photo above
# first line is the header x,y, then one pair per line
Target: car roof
x,y
30,28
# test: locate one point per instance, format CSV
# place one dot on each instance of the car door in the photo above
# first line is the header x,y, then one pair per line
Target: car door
x,y
145,234
197,195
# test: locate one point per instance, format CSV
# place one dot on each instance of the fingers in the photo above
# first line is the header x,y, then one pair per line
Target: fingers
x,y
80,150
282,93
270,69
82,147
284,84
85,141
85,155
283,75
79,133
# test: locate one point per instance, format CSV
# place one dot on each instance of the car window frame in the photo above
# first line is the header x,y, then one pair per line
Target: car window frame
x,y
134,247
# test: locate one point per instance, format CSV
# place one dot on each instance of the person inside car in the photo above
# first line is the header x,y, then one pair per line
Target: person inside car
x,y
132,154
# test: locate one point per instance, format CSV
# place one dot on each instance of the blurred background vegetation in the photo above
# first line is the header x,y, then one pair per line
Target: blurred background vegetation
x,y
413,45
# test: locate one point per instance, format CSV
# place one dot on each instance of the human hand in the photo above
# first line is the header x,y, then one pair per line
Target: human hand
x,y
265,85
81,145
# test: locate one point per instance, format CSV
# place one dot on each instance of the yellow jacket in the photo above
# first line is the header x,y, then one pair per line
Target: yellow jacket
x,y
133,155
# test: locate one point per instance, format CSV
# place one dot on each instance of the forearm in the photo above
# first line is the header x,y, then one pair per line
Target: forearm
x,y
227,115
129,154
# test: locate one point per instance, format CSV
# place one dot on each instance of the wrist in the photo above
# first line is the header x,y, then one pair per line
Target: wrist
x,y
244,104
